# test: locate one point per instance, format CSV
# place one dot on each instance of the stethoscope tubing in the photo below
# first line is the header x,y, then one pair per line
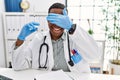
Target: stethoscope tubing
x,y
70,62
47,49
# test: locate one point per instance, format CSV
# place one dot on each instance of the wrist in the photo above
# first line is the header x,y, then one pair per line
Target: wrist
x,y
19,42
22,38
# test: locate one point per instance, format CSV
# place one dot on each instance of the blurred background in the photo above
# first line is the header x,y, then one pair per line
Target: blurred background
x,y
100,18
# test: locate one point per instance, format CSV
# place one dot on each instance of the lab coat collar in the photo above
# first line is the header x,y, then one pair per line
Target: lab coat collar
x,y
64,36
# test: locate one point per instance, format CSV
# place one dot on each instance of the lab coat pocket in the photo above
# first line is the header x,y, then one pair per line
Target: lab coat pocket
x,y
76,57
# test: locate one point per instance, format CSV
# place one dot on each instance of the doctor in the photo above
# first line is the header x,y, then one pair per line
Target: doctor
x,y
65,46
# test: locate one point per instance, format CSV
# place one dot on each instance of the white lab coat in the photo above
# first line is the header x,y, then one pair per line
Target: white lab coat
x,y
80,40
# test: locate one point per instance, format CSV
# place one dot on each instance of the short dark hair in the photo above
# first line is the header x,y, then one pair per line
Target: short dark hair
x,y
56,5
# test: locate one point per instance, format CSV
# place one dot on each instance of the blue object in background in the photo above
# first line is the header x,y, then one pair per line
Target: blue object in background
x,y
13,6
95,69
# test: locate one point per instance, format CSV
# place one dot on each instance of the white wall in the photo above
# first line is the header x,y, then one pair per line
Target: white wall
x,y
41,5
35,6
2,57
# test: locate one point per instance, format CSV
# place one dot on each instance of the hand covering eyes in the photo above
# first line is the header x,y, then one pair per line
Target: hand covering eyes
x,y
60,20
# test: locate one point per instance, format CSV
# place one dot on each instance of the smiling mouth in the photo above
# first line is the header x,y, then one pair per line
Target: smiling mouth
x,y
56,29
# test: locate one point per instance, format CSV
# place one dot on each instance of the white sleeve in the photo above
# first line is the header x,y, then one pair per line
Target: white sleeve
x,y
80,68
86,44
21,57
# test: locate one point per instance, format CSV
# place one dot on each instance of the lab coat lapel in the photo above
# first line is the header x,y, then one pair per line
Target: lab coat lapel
x,y
66,52
50,53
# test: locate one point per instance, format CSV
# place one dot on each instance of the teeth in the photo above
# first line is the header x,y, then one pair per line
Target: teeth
x,y
56,28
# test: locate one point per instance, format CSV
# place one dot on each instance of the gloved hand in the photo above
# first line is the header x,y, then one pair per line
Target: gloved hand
x,y
27,30
62,21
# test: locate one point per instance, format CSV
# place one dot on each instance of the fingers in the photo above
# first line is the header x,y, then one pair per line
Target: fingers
x,y
64,11
35,23
52,16
33,26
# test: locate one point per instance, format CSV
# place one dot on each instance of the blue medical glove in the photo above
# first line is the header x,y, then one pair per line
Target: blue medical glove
x,y
27,30
62,21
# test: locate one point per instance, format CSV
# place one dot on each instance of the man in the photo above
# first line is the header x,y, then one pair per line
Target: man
x,y
62,47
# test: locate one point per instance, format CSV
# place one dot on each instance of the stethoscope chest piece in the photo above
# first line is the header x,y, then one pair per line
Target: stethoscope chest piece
x,y
71,63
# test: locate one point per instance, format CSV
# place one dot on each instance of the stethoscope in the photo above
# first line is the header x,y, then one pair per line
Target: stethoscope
x,y
70,62
47,49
